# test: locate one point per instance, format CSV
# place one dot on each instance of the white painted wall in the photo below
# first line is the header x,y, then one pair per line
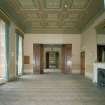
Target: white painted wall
x,y
73,39
88,44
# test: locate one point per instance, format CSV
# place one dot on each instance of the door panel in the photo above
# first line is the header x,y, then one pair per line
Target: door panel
x,y
38,58
82,63
41,54
47,60
66,58
63,59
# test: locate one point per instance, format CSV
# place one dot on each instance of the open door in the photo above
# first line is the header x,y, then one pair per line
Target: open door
x,y
82,63
38,58
47,60
66,58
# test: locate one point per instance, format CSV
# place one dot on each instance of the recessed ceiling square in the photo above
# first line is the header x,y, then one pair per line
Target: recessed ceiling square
x,y
35,23
52,24
79,4
52,4
30,15
69,23
73,15
28,4
52,16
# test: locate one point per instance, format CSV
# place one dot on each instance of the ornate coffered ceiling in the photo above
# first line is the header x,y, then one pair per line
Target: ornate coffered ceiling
x,y
52,16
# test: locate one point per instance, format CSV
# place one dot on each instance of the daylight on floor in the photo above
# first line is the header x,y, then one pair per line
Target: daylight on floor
x,y
52,52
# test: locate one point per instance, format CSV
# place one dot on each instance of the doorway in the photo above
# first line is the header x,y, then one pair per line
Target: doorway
x,y
82,62
38,59
52,60
101,53
66,58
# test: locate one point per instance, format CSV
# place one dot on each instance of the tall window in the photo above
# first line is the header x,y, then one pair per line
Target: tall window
x,y
19,54
3,60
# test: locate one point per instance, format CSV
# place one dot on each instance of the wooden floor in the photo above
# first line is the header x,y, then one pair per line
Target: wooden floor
x,y
51,89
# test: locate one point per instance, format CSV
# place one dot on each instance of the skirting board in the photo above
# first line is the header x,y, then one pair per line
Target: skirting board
x,y
74,71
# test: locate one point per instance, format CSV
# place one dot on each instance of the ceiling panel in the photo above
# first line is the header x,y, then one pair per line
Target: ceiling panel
x,y
52,4
52,16
80,4
69,23
52,24
31,16
28,4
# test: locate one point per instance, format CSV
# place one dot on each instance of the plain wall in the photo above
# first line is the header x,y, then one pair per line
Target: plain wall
x,y
73,39
89,46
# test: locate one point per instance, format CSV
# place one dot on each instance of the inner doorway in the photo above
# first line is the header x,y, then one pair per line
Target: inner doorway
x,y
52,60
